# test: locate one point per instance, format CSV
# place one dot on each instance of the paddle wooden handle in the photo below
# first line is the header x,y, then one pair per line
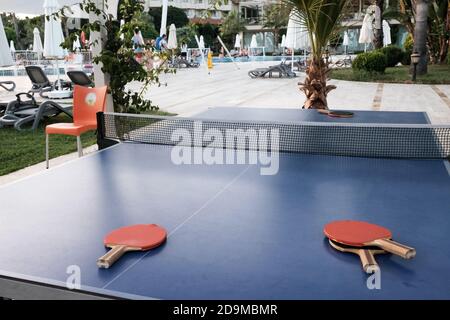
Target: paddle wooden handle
x,y
368,261
111,256
396,248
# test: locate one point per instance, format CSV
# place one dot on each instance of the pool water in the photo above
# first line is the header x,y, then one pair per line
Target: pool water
x,y
254,58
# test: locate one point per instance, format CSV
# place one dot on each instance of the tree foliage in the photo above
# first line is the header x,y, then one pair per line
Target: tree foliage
x,y
174,15
25,28
209,33
146,25
276,17
118,57
322,19
231,25
438,25
439,30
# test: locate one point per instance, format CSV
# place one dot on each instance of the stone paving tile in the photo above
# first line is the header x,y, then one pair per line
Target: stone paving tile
x,y
189,92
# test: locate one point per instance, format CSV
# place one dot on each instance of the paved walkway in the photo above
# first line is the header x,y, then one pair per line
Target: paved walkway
x,y
192,91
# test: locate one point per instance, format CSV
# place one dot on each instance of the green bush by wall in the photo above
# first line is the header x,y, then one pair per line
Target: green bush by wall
x,y
374,61
394,55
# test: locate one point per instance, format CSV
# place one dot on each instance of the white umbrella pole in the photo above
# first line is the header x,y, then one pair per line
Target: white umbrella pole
x,y
304,57
162,30
228,52
292,53
58,81
292,58
201,53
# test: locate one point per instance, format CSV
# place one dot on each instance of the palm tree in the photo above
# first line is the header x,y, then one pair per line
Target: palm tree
x,y
276,17
402,12
439,30
421,34
230,26
438,25
322,20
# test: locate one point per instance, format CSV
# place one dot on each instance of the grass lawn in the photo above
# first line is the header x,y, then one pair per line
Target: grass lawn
x,y
22,149
437,74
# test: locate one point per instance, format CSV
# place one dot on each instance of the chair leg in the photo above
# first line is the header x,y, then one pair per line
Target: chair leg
x,y
46,150
79,147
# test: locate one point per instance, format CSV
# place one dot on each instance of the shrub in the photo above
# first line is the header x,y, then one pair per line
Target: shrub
x,y
393,54
371,62
409,44
406,58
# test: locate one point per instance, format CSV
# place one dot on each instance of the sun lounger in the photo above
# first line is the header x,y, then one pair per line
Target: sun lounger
x,y
183,63
269,71
46,109
299,65
80,78
282,70
8,85
25,108
41,83
22,111
23,101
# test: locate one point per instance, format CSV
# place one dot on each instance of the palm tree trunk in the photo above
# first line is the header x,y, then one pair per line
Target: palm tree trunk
x,y
276,33
16,30
421,35
378,41
315,85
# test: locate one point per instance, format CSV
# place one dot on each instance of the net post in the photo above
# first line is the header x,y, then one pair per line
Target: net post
x,y
102,141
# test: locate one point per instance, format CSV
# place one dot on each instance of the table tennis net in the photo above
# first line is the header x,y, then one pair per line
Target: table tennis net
x,y
341,139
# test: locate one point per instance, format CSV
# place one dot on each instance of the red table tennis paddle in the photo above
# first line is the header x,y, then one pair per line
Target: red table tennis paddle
x,y
139,237
366,255
361,234
336,113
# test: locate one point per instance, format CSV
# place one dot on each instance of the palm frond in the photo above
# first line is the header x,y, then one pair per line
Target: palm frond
x,y
321,18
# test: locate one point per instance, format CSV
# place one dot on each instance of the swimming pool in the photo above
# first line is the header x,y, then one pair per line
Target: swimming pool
x,y
254,58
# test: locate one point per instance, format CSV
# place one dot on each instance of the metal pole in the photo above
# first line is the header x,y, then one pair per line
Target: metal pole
x,y
201,52
163,28
228,52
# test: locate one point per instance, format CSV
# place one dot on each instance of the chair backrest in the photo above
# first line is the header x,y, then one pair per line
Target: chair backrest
x,y
87,102
37,76
80,78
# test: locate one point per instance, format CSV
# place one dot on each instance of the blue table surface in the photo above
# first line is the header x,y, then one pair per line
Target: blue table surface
x,y
298,115
233,233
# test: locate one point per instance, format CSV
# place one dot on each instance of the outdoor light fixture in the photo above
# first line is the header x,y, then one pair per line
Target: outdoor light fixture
x,y
415,59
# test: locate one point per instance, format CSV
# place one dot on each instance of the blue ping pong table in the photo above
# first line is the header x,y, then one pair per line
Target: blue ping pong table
x,y
233,233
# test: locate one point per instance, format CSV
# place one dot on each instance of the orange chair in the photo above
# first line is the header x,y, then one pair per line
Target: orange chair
x,y
86,103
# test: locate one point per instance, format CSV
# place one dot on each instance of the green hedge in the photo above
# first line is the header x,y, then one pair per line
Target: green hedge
x,y
374,61
406,59
394,55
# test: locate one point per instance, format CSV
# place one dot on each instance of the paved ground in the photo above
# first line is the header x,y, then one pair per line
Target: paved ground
x,y
192,91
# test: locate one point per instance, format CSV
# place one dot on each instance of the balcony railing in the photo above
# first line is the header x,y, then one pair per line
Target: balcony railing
x,y
190,4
